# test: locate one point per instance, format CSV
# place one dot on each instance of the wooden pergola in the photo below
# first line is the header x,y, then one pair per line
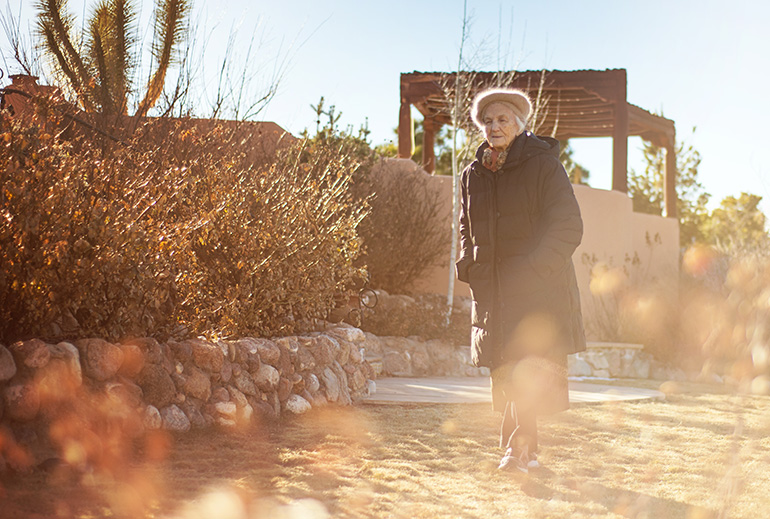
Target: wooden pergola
x,y
568,104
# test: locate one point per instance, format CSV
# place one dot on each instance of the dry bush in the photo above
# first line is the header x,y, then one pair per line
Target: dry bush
x,y
407,232
268,247
78,247
171,236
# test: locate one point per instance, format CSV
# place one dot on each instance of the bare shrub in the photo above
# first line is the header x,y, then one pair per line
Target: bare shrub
x,y
168,237
407,232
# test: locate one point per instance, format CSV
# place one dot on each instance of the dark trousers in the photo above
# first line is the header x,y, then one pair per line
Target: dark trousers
x,y
518,429
539,385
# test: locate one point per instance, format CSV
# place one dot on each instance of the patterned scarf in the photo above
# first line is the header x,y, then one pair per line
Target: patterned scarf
x,y
493,159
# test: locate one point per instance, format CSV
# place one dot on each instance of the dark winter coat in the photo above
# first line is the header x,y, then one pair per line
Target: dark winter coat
x,y
518,229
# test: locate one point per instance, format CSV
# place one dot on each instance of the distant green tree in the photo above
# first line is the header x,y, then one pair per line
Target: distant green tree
x,y
738,224
577,173
387,149
442,146
646,190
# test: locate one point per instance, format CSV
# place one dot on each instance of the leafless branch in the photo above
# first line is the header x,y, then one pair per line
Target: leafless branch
x,y
23,51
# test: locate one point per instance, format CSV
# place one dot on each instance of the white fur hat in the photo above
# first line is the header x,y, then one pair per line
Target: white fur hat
x,y
515,99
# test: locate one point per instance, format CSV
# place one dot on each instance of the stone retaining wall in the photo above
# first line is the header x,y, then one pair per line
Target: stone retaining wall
x,y
611,360
413,357
55,393
620,360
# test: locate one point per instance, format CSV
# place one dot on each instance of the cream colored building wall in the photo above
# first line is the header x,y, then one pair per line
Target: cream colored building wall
x,y
657,241
612,231
614,234
607,232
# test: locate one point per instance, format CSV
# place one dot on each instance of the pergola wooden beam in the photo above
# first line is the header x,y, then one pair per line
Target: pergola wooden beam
x,y
620,135
429,129
405,130
583,103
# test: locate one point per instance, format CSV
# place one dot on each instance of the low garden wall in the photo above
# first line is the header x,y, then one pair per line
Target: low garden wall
x,y
196,383
55,394
620,360
413,357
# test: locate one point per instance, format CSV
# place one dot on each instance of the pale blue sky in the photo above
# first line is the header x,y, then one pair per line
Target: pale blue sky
x,y
703,63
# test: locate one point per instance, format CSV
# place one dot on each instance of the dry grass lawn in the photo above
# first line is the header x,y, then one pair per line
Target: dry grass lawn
x,y
699,454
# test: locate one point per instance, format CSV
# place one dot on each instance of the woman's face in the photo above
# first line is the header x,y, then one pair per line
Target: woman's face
x,y
500,126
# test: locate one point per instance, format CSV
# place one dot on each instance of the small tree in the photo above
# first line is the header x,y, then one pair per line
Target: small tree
x,y
460,88
738,224
577,173
443,156
647,188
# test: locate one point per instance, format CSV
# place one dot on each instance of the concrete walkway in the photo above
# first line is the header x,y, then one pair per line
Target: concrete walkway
x,y
476,390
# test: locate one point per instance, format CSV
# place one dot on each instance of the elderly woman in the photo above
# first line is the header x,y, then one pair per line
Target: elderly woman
x,y
519,225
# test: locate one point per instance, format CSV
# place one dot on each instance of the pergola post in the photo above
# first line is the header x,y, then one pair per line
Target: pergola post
x,y
405,130
620,139
669,181
429,128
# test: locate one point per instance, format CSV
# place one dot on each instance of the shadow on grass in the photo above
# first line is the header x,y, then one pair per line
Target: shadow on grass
x,y
635,505
627,503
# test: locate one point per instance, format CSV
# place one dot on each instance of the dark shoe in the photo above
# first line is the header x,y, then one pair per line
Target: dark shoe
x,y
514,460
532,462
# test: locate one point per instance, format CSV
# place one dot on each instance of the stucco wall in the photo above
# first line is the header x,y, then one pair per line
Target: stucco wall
x,y
612,233
616,235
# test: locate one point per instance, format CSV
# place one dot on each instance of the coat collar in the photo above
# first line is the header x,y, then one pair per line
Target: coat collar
x,y
523,147
513,153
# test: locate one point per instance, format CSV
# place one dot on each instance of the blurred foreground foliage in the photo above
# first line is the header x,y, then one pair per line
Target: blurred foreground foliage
x,y
725,314
716,321
177,233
